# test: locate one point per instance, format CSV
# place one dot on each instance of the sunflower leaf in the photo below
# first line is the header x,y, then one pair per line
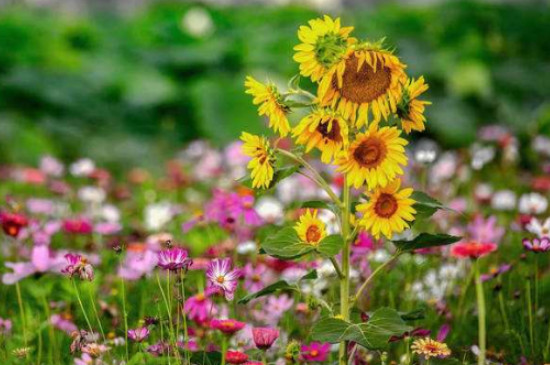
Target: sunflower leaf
x,y
426,240
285,244
319,204
425,205
277,286
330,245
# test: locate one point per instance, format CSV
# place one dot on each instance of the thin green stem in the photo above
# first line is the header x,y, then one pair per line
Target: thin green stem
x,y
481,315
344,280
337,267
125,317
374,273
317,178
530,313
22,312
264,357
503,312
79,299
92,300
185,330
224,349
547,349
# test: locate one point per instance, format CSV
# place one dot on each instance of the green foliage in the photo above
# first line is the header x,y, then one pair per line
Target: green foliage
x,y
278,286
426,240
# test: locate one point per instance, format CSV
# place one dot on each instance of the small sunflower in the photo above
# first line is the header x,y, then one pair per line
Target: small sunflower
x,y
310,229
374,157
430,348
324,42
262,159
367,78
270,104
325,130
411,110
388,210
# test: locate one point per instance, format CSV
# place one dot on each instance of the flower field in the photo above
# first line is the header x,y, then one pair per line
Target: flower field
x,y
340,236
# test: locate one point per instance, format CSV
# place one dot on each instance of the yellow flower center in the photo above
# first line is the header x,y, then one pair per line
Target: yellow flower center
x,y
314,353
370,152
386,205
220,279
365,85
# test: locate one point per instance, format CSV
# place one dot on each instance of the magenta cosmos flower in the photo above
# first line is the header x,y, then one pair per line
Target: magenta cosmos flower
x,y
138,334
472,249
174,259
220,276
79,266
78,226
227,326
12,223
264,337
315,351
199,307
236,357
537,245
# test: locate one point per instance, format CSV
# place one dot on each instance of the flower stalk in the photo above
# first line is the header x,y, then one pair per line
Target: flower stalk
x,y
482,335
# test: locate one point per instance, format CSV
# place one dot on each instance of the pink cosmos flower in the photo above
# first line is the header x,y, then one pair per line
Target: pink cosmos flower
x,y
257,277
485,230
472,249
174,259
138,334
78,226
315,352
220,276
236,357
78,265
199,307
264,337
5,326
138,264
107,228
537,245
227,326
63,323
494,272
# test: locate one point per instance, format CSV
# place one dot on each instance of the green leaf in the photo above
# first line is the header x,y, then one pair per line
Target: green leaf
x,y
294,82
312,275
374,334
414,315
279,285
286,244
206,358
318,204
425,205
425,240
279,175
330,245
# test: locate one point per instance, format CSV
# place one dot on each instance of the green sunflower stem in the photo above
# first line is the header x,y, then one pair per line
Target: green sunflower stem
x,y
344,280
481,315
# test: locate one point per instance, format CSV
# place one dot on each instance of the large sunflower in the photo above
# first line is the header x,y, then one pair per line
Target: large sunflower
x,y
366,79
270,104
325,130
374,157
324,42
310,229
388,210
411,110
262,160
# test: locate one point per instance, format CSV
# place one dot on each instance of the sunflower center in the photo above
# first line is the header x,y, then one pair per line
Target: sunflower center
x,y
313,234
370,152
329,48
386,205
365,85
333,134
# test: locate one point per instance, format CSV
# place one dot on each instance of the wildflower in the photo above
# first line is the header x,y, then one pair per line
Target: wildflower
x,y
310,229
417,332
496,271
78,265
374,158
264,337
270,209
533,203
51,166
158,215
158,349
227,326
411,110
82,167
325,130
388,210
368,77
443,332
430,348
472,249
138,263
236,357
537,245
256,277
262,160
63,322
138,334
21,352
315,352
271,104
540,229
5,326
92,194
220,276
503,200
324,43
12,223
94,349
78,226
485,230
174,259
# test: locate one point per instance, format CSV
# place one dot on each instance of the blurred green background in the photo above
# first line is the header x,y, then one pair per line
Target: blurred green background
x,y
130,88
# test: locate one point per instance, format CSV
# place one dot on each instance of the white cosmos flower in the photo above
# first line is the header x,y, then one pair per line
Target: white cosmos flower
x,y
82,167
157,215
541,229
532,203
270,209
92,194
503,200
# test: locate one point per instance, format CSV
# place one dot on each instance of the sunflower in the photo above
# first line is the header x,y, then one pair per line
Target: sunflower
x,y
388,210
310,229
270,104
374,157
366,78
262,159
430,348
324,42
325,130
411,110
